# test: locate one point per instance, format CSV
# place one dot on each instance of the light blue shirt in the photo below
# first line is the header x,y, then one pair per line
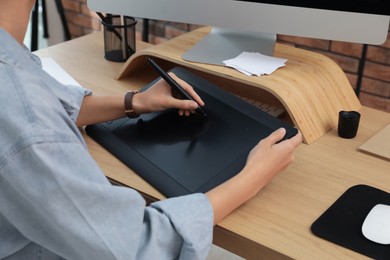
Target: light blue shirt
x,y
55,201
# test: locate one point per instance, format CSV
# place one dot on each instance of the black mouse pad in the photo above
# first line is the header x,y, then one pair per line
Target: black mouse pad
x,y
181,155
342,222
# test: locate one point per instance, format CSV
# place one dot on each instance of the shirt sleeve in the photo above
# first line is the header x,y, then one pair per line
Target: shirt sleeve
x,y
192,222
66,205
71,97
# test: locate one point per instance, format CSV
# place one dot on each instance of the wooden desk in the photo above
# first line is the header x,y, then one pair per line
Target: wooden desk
x,y
276,223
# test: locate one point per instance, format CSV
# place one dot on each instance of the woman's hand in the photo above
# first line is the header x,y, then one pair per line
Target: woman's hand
x,y
269,157
266,159
160,97
95,109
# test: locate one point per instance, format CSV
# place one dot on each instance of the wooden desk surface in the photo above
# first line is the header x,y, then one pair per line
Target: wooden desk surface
x,y
276,223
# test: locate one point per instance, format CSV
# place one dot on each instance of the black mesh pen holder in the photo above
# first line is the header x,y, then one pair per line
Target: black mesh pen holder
x,y
119,37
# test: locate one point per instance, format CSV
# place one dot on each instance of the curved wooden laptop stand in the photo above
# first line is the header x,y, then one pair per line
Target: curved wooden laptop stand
x,y
311,87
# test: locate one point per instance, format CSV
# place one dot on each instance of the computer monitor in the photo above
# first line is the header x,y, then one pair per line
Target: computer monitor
x,y
358,21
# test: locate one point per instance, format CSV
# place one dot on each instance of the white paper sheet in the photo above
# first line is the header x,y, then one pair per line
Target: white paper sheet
x,y
253,63
57,72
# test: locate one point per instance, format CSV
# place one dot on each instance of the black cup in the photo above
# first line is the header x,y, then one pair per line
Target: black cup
x,y
119,37
348,124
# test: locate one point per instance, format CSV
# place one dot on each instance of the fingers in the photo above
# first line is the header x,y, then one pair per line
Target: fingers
x,y
276,136
186,107
183,104
188,88
296,140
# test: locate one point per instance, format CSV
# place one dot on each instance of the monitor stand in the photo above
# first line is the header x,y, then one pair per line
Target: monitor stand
x,y
308,78
223,44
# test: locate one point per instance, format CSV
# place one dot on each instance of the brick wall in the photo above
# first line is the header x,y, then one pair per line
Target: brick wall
x,y
374,83
375,78
80,19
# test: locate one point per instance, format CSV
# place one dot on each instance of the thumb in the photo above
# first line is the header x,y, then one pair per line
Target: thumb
x,y
276,136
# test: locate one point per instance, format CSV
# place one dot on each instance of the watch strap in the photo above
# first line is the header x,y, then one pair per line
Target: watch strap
x,y
129,104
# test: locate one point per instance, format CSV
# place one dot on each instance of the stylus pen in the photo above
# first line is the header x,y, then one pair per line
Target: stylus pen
x,y
173,83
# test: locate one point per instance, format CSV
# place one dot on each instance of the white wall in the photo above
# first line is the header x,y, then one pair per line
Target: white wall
x,y
56,32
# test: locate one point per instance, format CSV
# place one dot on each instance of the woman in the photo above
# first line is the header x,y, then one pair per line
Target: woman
x,y
56,203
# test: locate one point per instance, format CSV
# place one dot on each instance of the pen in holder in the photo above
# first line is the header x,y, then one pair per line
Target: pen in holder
x,y
119,37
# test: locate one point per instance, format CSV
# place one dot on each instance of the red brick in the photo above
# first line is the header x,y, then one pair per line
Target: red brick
x,y
373,101
156,28
88,31
156,40
345,48
73,6
83,21
75,31
352,79
307,42
348,64
172,32
86,11
180,26
376,87
378,54
138,36
377,71
139,27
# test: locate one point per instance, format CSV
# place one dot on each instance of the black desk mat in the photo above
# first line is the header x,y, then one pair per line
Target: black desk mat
x,y
182,155
342,222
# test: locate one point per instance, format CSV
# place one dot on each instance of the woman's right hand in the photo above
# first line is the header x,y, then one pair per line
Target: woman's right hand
x,y
269,157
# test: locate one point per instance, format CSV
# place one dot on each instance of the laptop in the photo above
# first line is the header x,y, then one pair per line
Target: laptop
x,y
181,155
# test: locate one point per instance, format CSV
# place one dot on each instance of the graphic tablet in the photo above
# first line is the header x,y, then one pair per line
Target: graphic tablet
x,y
182,155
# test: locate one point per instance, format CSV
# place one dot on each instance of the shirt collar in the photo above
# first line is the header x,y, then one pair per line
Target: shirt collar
x,y
11,52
